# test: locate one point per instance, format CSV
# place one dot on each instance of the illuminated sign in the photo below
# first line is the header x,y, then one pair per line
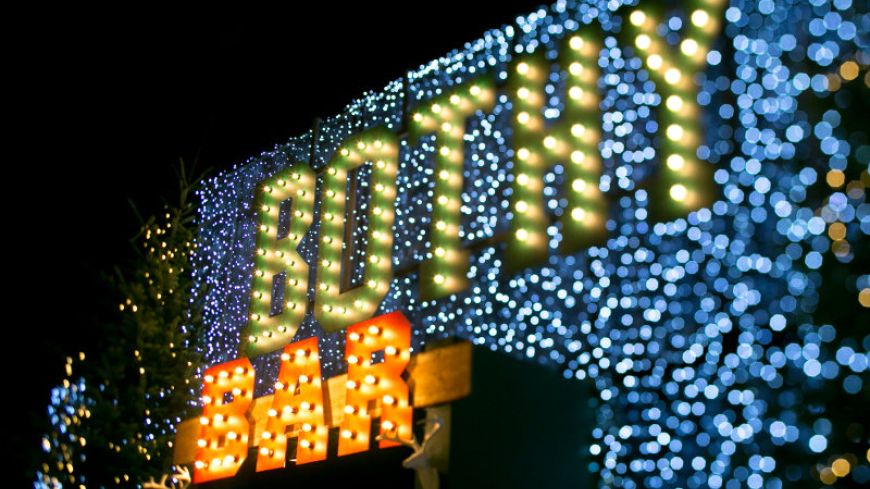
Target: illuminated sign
x,y
285,202
636,195
299,408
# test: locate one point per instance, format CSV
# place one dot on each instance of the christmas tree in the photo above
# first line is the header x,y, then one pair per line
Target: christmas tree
x,y
113,417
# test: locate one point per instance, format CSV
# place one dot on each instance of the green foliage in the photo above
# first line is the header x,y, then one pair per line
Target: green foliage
x,y
140,382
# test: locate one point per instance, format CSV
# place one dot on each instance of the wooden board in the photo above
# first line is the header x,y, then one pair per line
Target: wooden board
x,y
186,434
441,375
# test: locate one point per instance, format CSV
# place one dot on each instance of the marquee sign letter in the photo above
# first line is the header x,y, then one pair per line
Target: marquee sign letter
x,y
572,141
684,183
227,393
446,271
336,308
378,351
297,405
279,290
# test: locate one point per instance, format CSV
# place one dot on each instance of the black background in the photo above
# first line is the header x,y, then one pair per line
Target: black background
x,y
102,103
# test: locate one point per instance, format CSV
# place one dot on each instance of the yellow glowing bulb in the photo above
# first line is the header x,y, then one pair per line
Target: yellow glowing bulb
x,y
675,132
550,142
522,206
522,234
201,443
523,68
388,425
849,70
523,153
577,156
841,467
655,61
436,108
700,18
576,42
445,151
523,117
637,18
689,47
439,279
305,444
578,214
388,399
439,251
418,117
454,99
578,185
475,90
674,103
523,93
676,162
522,179
673,76
347,433
679,192
575,92
642,42
577,130
575,68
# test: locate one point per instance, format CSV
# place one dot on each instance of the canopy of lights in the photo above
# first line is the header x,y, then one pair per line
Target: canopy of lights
x,y
665,200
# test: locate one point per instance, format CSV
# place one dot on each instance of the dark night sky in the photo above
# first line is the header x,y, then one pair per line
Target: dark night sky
x,y
105,102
